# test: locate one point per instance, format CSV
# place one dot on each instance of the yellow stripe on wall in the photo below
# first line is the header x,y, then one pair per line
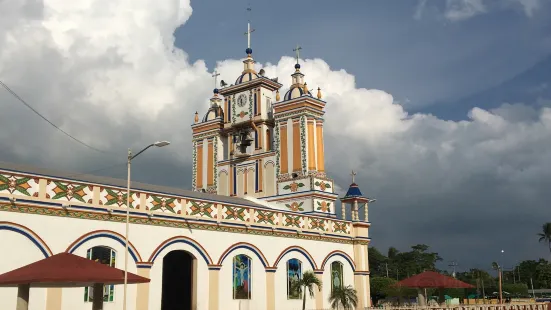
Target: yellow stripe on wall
x,y
311,151
319,138
200,166
284,166
210,163
296,146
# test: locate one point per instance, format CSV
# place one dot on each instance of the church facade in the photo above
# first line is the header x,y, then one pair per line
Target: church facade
x,y
261,212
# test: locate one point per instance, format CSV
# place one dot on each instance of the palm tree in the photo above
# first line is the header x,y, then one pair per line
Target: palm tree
x,y
545,235
345,296
308,281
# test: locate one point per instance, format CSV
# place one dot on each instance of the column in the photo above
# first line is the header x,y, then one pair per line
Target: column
x,y
359,275
358,283
270,290
366,219
343,211
214,278
53,298
142,291
319,294
355,211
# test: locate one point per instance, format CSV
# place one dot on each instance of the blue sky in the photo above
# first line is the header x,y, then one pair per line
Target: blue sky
x,y
423,60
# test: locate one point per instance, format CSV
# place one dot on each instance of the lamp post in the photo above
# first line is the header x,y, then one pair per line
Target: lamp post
x,y
130,157
500,270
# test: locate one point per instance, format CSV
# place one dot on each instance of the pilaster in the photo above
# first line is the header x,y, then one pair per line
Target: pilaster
x,y
214,279
270,290
142,291
318,294
53,298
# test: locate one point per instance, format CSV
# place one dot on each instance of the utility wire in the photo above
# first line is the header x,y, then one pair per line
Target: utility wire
x,y
47,120
97,170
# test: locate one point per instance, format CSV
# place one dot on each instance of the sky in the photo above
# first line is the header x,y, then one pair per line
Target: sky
x,y
442,107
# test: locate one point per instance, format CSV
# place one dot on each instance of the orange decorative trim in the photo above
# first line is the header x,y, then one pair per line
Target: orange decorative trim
x,y
76,244
339,253
244,245
30,232
181,239
295,248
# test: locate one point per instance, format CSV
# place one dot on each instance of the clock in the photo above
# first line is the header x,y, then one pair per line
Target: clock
x,y
242,100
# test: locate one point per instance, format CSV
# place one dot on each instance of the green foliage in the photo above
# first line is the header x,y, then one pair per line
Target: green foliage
x,y
345,297
516,289
307,283
545,235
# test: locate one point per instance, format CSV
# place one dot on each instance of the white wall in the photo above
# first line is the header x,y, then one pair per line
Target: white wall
x,y
18,251
60,232
348,278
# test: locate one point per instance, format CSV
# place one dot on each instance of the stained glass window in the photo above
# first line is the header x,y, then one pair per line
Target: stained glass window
x,y
106,256
336,275
242,277
294,274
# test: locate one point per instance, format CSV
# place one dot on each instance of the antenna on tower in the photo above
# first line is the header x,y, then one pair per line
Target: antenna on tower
x,y
453,264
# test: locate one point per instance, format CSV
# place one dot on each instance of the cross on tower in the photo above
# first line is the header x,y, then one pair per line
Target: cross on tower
x,y
297,51
353,174
249,30
215,76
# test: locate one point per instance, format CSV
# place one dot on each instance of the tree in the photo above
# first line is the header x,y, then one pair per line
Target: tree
x,y
381,287
377,262
545,235
307,282
345,297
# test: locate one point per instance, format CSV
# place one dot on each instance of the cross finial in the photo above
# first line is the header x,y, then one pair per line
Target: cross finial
x,y
353,174
215,76
297,51
249,30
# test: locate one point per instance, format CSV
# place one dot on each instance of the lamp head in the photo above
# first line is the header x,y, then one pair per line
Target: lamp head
x,y
161,143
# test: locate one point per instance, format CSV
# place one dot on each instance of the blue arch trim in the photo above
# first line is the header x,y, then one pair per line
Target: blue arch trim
x,y
248,247
106,235
350,262
36,242
185,241
308,257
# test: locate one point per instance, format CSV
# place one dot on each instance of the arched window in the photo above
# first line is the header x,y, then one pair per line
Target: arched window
x,y
294,274
336,275
242,286
106,256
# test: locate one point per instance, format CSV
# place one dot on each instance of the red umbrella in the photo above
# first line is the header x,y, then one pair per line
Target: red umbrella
x,y
432,279
65,270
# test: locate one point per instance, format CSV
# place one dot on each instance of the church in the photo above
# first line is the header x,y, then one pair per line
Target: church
x,y
260,213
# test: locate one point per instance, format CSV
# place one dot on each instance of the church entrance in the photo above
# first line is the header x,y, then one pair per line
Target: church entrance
x,y
179,281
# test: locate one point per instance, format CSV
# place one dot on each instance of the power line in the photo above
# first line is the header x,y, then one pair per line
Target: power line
x,y
97,170
47,120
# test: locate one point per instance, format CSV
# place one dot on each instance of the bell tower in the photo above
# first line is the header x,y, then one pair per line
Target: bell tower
x,y
302,184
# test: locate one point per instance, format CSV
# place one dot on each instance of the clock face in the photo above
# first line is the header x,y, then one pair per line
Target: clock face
x,y
241,100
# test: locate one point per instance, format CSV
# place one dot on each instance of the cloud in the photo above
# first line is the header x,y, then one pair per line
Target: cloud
x,y
460,10
109,74
457,10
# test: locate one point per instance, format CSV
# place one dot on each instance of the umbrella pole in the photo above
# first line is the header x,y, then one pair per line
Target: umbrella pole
x,y
23,296
97,301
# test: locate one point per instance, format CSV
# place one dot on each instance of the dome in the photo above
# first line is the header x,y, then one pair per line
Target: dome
x,y
212,113
246,77
295,92
353,191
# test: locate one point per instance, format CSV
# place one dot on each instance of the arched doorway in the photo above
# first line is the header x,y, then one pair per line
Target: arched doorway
x,y
179,281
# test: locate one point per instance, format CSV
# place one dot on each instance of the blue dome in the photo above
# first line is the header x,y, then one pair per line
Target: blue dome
x,y
297,66
246,77
353,191
249,51
295,92
215,91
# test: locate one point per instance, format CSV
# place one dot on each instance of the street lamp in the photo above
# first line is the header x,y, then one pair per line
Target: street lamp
x,y
130,157
500,275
